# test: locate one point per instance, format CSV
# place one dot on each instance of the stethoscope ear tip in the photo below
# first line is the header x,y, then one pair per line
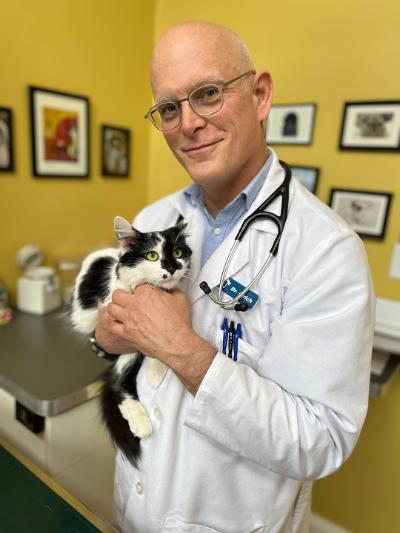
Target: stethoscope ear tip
x,y
241,307
204,287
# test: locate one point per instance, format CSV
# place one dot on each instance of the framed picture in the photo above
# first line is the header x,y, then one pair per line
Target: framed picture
x,y
370,126
60,133
308,176
291,124
366,212
115,150
6,140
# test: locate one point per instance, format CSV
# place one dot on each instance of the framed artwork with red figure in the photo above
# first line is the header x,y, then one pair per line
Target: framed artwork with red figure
x,y
60,133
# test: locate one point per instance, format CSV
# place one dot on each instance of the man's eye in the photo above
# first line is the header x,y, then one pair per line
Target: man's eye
x,y
177,253
151,256
207,94
167,110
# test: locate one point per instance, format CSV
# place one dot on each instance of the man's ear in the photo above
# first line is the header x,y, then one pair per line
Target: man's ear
x,y
262,87
124,232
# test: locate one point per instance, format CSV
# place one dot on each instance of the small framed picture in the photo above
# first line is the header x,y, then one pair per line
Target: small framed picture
x,y
291,124
115,150
6,140
366,212
60,134
370,126
308,176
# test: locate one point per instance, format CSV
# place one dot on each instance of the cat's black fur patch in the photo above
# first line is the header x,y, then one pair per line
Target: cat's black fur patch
x,y
138,246
94,287
110,398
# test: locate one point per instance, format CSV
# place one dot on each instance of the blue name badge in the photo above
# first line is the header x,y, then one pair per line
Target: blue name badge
x,y
232,288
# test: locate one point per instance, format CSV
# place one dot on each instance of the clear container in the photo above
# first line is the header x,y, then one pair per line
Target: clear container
x,y
68,269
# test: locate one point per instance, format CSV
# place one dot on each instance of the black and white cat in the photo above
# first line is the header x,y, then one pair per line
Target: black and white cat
x,y
160,258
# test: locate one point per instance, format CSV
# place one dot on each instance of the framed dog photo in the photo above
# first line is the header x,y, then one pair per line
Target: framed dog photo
x,y
6,140
115,150
370,126
60,133
291,124
366,212
308,176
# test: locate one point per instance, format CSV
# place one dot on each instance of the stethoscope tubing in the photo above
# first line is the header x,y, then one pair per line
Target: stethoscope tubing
x,y
283,191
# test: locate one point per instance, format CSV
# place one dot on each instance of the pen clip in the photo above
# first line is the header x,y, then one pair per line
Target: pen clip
x,y
238,335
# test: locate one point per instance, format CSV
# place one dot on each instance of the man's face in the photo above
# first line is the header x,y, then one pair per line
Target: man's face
x,y
220,149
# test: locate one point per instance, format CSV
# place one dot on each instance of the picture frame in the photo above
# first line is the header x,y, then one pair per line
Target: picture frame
x,y
366,212
115,151
372,125
6,140
59,133
308,176
291,124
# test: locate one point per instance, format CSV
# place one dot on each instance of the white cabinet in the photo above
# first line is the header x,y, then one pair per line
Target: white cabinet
x,y
74,449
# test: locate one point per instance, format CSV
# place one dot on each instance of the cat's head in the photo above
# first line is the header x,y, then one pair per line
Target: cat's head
x,y
161,258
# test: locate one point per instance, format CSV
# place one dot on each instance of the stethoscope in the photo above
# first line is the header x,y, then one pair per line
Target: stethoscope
x,y
216,293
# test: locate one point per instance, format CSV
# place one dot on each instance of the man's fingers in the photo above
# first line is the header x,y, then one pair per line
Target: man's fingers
x,y
116,311
120,297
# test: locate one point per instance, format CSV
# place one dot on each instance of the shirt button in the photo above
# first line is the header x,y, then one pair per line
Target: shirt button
x,y
139,488
217,231
157,413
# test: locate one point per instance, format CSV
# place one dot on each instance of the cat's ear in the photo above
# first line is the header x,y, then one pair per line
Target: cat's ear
x,y
184,224
124,232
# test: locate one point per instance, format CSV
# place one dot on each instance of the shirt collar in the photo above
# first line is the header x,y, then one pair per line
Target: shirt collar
x,y
194,193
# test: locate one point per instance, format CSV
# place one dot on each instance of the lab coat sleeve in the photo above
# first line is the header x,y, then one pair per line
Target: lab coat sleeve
x,y
299,412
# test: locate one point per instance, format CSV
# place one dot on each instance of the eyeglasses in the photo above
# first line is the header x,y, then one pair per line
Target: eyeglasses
x,y
206,100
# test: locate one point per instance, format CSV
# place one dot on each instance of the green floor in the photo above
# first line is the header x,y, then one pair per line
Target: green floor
x,y
27,505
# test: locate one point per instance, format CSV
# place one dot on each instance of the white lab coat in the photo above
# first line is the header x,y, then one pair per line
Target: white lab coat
x,y
240,456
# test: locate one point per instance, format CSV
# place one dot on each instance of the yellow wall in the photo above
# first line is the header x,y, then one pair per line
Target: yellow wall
x,y
327,53
100,49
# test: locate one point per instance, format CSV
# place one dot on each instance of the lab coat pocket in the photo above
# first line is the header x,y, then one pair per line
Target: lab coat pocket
x,y
246,353
173,524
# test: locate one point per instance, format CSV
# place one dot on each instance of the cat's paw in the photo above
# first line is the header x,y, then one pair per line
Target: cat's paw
x,y
156,371
136,416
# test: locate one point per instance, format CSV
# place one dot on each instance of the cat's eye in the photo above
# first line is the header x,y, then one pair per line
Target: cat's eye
x,y
177,253
151,256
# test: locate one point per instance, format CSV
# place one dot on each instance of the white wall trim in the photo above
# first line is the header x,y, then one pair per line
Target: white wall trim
x,y
319,524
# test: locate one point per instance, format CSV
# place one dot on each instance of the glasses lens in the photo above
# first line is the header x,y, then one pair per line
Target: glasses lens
x,y
206,100
166,116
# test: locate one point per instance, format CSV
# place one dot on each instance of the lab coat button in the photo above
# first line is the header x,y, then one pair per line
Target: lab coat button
x,y
139,488
217,231
157,413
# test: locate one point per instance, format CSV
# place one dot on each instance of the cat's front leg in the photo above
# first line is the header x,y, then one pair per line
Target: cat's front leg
x,y
136,416
156,371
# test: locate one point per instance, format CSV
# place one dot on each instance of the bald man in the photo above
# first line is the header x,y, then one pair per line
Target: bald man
x,y
238,440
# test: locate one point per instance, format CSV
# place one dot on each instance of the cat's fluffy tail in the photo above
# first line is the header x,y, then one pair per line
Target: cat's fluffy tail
x,y
117,426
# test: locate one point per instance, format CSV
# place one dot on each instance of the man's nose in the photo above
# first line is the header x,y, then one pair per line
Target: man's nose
x,y
190,120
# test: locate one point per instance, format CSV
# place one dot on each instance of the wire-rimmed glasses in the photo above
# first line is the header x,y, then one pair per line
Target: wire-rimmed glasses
x,y
205,100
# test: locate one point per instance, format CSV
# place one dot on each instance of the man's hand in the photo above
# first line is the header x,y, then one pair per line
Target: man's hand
x,y
158,323
106,339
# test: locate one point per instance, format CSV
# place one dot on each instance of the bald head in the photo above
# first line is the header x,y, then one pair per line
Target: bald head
x,y
200,41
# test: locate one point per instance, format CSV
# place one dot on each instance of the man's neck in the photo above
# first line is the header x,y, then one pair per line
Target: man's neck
x,y
216,199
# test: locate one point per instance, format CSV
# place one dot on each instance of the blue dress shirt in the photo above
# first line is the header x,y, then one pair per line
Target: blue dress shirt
x,y
216,229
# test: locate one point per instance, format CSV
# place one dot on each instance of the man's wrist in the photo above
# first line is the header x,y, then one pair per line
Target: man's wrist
x,y
99,351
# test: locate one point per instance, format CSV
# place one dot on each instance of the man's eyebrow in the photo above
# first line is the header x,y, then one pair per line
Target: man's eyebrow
x,y
197,85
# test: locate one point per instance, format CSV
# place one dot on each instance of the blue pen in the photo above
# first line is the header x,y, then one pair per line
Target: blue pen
x,y
224,328
238,335
231,338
